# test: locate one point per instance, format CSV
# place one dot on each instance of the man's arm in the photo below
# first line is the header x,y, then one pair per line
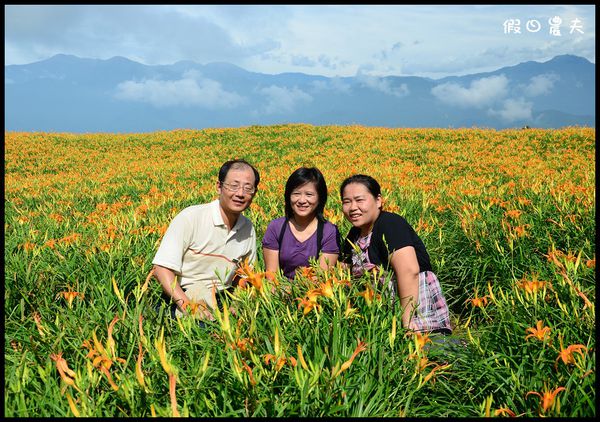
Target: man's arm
x,y
171,286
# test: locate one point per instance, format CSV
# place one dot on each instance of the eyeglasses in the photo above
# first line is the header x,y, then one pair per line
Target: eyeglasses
x,y
234,187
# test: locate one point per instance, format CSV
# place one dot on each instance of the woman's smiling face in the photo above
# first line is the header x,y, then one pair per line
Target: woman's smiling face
x,y
360,207
304,200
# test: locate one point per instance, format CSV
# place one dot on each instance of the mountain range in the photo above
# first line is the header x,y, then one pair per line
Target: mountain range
x,y
66,93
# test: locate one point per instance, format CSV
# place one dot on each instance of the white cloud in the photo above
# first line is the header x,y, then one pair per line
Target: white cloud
x,y
191,90
481,92
514,109
422,40
299,60
339,85
541,85
382,85
334,84
320,85
283,100
151,34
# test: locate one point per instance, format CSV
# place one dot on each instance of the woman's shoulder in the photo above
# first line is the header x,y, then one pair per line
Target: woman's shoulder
x,y
387,217
276,223
390,222
330,226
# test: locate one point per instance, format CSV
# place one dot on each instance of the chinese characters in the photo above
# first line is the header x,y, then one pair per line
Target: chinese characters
x,y
513,26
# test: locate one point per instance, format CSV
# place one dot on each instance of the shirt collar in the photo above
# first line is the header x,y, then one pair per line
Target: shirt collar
x,y
217,218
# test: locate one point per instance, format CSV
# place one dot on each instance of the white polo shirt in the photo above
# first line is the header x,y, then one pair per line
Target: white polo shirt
x,y
202,252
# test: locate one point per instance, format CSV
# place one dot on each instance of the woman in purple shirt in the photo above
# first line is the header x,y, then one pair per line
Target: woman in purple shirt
x,y
303,233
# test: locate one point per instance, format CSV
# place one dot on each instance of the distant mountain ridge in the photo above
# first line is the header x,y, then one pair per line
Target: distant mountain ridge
x,y
72,94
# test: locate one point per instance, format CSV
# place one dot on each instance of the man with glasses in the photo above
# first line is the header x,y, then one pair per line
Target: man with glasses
x,y
198,255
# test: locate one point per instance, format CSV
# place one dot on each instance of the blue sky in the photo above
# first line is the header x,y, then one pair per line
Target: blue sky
x,y
430,40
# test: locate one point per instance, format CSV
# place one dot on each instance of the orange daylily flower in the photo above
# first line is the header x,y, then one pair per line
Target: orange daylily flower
x,y
524,201
256,280
249,370
547,398
326,289
421,339
38,322
343,282
360,347
513,213
269,357
504,411
540,332
567,355
102,363
431,373
553,256
196,308
307,272
519,231
66,374
478,302
243,344
103,357
51,243
70,295
28,246
422,363
280,361
534,285
271,276
350,311
308,304
244,269
248,275
313,294
368,294
331,216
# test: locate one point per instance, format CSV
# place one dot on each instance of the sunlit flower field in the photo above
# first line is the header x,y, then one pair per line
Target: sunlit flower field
x,y
508,218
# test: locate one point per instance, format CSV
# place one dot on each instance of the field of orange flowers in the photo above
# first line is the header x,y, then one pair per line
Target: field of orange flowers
x,y
508,218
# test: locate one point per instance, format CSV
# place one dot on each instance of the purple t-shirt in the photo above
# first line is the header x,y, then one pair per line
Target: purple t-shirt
x,y
293,253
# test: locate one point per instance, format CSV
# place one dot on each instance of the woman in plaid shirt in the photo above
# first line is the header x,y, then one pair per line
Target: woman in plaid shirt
x,y
381,238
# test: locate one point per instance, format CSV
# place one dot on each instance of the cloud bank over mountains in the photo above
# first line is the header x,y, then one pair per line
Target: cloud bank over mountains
x,y
122,95
191,90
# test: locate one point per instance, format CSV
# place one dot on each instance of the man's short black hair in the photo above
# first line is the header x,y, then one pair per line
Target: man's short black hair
x,y
237,164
